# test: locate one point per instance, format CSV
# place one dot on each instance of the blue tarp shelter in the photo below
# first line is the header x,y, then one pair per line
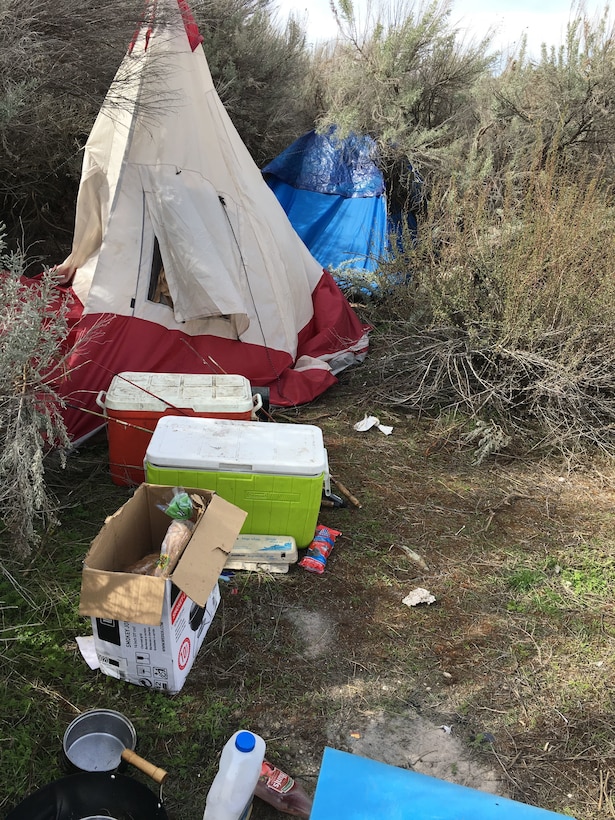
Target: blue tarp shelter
x,y
334,195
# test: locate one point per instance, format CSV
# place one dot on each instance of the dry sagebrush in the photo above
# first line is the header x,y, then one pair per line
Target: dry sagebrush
x,y
31,337
508,316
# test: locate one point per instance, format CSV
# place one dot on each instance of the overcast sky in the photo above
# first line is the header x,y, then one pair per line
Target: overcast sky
x,y
542,20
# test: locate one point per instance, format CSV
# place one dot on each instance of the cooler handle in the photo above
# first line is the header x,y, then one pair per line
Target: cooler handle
x,y
100,401
171,410
257,404
327,474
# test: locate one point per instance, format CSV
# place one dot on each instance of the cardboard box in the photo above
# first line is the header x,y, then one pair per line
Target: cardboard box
x,y
148,630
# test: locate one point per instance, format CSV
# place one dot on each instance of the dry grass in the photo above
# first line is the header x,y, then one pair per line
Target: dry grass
x,y
546,399
507,318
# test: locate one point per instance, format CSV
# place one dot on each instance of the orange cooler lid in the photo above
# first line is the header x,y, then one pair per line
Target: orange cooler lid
x,y
158,392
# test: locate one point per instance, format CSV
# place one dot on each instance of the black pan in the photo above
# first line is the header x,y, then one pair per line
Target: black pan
x,y
91,795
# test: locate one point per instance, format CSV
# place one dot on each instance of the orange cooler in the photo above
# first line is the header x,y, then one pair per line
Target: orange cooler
x,y
136,401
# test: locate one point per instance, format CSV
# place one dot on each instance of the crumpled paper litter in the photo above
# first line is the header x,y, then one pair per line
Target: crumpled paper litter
x,y
372,421
419,596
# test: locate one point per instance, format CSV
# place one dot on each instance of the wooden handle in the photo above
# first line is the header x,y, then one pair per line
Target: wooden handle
x,y
155,772
345,491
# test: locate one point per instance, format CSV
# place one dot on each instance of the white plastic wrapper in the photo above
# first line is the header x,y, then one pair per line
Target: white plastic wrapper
x,y
372,421
419,596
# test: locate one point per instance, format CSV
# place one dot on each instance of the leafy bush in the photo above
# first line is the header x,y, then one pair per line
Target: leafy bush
x,y
56,62
559,103
406,78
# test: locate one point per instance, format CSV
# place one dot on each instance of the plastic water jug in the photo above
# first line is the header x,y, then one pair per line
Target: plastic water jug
x,y
230,795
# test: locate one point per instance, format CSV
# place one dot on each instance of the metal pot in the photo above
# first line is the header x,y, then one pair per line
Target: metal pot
x,y
100,740
90,795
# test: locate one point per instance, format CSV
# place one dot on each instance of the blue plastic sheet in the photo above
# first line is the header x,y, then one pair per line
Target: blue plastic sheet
x,y
340,232
328,165
355,788
334,195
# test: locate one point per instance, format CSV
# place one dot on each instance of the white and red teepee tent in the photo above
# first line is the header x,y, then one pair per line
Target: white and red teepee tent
x,y
185,261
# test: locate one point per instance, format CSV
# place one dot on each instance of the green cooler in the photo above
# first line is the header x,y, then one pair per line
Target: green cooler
x,y
274,472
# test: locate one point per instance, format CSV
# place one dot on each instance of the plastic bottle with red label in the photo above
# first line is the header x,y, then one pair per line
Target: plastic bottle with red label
x,y
283,792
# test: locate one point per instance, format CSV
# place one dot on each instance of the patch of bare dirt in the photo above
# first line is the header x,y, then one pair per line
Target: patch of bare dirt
x,y
407,739
411,741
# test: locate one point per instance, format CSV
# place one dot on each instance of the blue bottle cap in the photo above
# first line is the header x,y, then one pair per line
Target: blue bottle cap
x,y
245,742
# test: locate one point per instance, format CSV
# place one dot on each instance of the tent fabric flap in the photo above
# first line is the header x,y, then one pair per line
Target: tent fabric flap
x,y
106,344
198,244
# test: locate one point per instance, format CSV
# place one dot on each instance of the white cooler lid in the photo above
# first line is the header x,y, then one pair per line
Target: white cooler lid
x,y
157,392
237,446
